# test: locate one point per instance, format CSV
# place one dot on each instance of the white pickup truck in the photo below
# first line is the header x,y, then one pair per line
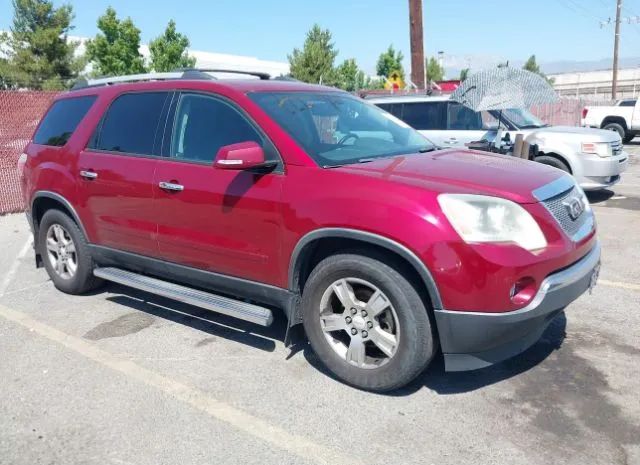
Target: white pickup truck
x,y
623,117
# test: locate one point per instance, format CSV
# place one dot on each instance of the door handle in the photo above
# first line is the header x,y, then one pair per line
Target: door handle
x,y
171,186
89,175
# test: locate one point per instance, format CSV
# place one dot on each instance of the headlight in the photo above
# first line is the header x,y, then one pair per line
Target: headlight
x,y
602,149
479,218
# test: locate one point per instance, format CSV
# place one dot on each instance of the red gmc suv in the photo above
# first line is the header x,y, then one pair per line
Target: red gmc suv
x,y
251,195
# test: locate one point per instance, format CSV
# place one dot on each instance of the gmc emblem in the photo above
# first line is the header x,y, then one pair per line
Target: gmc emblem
x,y
575,207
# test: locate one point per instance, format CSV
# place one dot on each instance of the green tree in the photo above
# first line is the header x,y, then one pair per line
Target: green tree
x,y
464,74
115,50
169,51
315,62
532,65
351,78
38,52
435,72
390,61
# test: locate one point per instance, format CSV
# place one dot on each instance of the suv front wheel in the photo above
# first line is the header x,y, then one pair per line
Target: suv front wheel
x,y
366,322
65,254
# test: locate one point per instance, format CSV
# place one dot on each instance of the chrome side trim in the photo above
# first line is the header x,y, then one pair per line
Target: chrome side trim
x,y
560,185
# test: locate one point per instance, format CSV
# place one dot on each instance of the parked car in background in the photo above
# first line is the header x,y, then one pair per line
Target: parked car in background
x,y
249,196
623,118
594,157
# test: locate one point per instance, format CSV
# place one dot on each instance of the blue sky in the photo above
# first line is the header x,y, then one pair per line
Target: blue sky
x,y
468,31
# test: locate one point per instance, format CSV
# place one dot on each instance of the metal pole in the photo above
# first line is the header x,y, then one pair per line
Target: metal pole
x,y
616,43
417,43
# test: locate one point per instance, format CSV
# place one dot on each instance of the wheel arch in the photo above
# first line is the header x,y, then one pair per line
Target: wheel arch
x,y
305,255
558,156
47,200
615,119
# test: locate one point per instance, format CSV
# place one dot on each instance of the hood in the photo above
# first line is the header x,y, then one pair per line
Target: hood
x,y
578,133
462,171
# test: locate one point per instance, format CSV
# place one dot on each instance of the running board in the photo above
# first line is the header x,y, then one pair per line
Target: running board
x,y
216,303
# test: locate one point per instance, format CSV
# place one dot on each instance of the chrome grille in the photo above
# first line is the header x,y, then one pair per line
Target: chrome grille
x,y
558,206
616,148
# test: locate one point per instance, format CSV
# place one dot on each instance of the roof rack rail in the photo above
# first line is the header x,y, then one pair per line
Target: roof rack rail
x,y
106,81
183,73
189,72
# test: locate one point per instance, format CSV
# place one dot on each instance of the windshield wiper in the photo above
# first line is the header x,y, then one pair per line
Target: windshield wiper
x,y
534,126
428,149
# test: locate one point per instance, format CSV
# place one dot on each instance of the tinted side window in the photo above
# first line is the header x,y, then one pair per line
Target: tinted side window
x,y
628,103
394,108
131,123
425,115
463,118
62,119
205,124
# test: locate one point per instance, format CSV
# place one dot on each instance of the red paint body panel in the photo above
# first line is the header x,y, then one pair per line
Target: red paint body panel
x,y
224,221
247,225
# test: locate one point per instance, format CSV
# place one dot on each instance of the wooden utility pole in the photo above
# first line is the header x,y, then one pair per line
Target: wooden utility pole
x,y
616,43
417,43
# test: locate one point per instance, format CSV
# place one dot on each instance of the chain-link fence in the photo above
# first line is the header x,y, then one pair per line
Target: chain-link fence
x,y
20,112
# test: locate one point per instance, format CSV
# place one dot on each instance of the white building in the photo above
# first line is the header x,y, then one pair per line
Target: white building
x,y
210,60
597,84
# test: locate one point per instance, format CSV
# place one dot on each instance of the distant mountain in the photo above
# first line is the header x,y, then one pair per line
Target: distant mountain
x,y
454,64
555,67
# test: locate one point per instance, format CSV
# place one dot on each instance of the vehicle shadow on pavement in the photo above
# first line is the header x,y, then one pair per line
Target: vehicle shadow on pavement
x,y
213,324
436,379
596,197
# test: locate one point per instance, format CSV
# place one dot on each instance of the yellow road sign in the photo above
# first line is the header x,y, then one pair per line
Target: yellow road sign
x,y
394,81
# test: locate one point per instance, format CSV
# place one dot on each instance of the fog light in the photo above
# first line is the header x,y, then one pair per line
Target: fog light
x,y
523,291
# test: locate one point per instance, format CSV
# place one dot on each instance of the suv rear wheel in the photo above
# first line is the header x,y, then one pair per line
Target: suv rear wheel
x,y
65,254
615,127
366,322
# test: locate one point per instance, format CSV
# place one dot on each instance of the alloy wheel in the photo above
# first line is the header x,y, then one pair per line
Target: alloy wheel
x,y
61,251
359,322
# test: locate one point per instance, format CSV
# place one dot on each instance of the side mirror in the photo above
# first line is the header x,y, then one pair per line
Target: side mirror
x,y
242,156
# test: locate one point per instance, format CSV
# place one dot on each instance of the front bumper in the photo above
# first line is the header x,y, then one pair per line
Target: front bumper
x,y
472,340
599,172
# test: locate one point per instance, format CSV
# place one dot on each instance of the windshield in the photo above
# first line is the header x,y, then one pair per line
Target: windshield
x,y
521,118
337,129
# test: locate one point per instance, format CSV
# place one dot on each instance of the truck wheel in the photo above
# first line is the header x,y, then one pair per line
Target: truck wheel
x,y
366,322
65,254
615,127
552,161
628,138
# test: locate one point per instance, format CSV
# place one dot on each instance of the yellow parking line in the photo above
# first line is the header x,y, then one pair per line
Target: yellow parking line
x,y
631,286
242,421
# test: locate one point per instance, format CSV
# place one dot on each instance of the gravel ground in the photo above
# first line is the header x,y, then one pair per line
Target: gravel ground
x,y
124,377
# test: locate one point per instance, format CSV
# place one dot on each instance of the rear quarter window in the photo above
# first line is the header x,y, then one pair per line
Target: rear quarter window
x,y
131,123
62,119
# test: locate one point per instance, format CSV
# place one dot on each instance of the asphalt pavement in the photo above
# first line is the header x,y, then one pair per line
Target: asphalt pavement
x,y
125,377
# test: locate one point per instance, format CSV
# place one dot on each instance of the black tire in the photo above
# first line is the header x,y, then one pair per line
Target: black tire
x,y
417,343
615,127
628,138
83,279
552,161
